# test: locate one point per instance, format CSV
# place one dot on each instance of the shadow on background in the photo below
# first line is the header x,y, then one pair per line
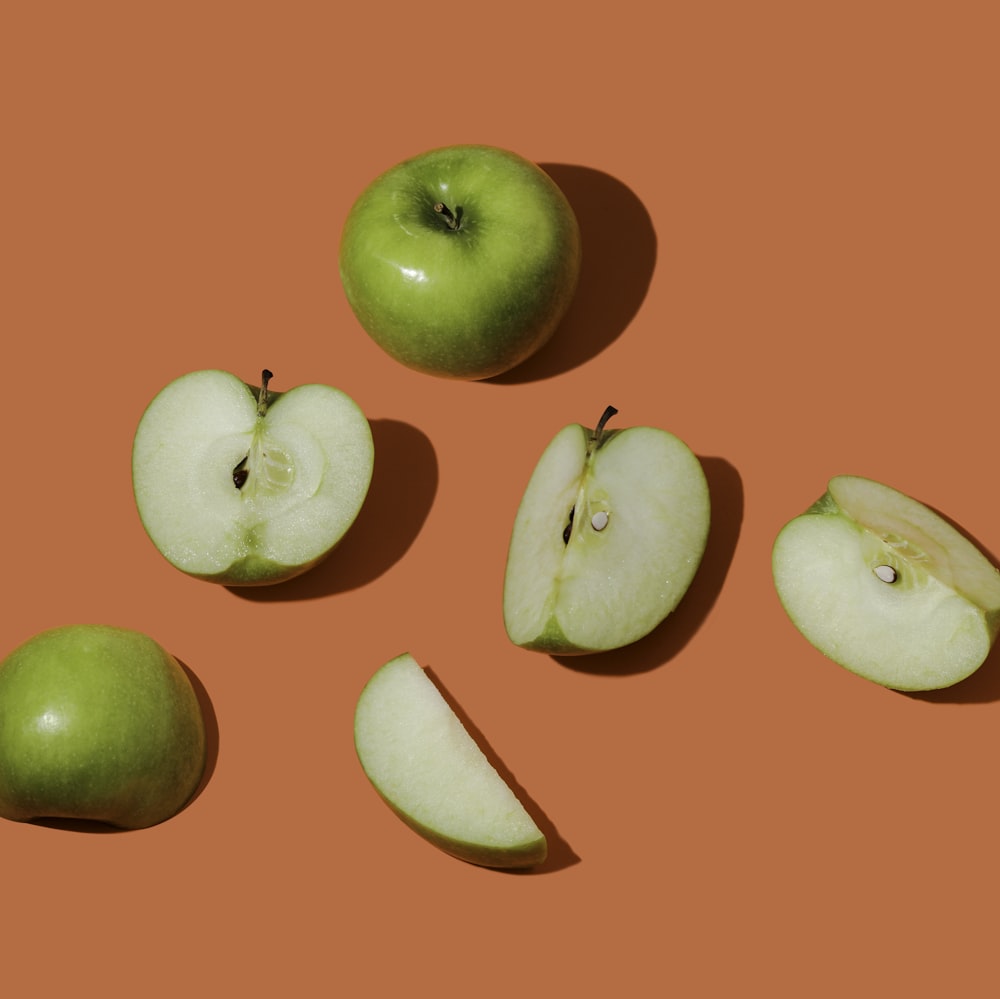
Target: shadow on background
x,y
619,255
560,854
404,483
984,685
664,642
211,757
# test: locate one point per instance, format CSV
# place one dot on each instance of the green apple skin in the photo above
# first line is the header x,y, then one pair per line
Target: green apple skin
x,y
307,458
97,723
887,588
573,588
468,302
428,769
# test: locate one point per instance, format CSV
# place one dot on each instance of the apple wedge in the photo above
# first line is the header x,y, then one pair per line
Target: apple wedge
x,y
245,486
887,588
607,539
429,770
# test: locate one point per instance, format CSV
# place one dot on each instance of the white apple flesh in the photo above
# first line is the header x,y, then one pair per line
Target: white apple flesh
x,y
243,487
886,587
606,541
429,770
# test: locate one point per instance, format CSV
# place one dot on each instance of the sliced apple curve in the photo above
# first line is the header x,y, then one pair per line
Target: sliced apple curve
x,y
430,771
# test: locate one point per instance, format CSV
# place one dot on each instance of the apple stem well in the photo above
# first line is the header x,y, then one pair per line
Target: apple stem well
x,y
453,219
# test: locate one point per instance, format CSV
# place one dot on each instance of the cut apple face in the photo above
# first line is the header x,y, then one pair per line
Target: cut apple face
x,y
886,587
245,487
607,539
429,770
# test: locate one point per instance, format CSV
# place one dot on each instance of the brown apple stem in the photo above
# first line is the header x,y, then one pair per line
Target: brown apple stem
x,y
595,437
451,218
265,377
605,416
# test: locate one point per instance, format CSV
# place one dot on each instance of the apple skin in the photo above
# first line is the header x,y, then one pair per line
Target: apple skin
x,y
465,303
97,723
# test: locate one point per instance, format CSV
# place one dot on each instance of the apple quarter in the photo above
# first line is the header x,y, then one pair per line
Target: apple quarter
x,y
881,584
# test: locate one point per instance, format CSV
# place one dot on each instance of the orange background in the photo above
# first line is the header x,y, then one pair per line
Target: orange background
x,y
789,214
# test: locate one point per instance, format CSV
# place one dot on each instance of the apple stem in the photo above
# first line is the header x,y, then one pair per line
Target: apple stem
x,y
599,429
265,377
453,219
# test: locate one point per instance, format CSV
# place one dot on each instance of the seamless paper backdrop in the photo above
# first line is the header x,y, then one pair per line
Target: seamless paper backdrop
x,y
789,215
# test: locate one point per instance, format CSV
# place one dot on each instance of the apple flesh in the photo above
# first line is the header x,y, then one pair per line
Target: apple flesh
x,y
886,587
97,723
607,539
247,487
429,770
462,261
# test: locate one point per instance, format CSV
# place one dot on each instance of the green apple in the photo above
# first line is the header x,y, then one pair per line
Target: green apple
x,y
429,770
886,587
607,539
97,723
461,262
246,486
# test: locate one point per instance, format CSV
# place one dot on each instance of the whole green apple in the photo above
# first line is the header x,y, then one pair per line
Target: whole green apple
x,y
461,261
886,587
245,486
97,723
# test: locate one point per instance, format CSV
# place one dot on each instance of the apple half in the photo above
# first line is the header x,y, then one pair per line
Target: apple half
x,y
429,770
886,587
245,486
607,539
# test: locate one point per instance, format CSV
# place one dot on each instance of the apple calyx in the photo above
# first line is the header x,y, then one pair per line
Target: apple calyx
x,y
453,219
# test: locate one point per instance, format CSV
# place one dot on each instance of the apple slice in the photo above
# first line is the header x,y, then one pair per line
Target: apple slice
x,y
429,770
242,486
886,587
607,539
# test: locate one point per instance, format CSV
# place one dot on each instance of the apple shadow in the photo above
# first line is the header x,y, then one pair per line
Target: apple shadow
x,y
983,686
619,256
404,483
211,757
664,642
560,854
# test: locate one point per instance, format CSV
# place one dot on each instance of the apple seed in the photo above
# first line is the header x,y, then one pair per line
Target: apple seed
x,y
568,529
599,521
241,473
886,573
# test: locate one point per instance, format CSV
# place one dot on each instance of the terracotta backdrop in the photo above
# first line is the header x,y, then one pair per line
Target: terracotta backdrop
x,y
790,217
